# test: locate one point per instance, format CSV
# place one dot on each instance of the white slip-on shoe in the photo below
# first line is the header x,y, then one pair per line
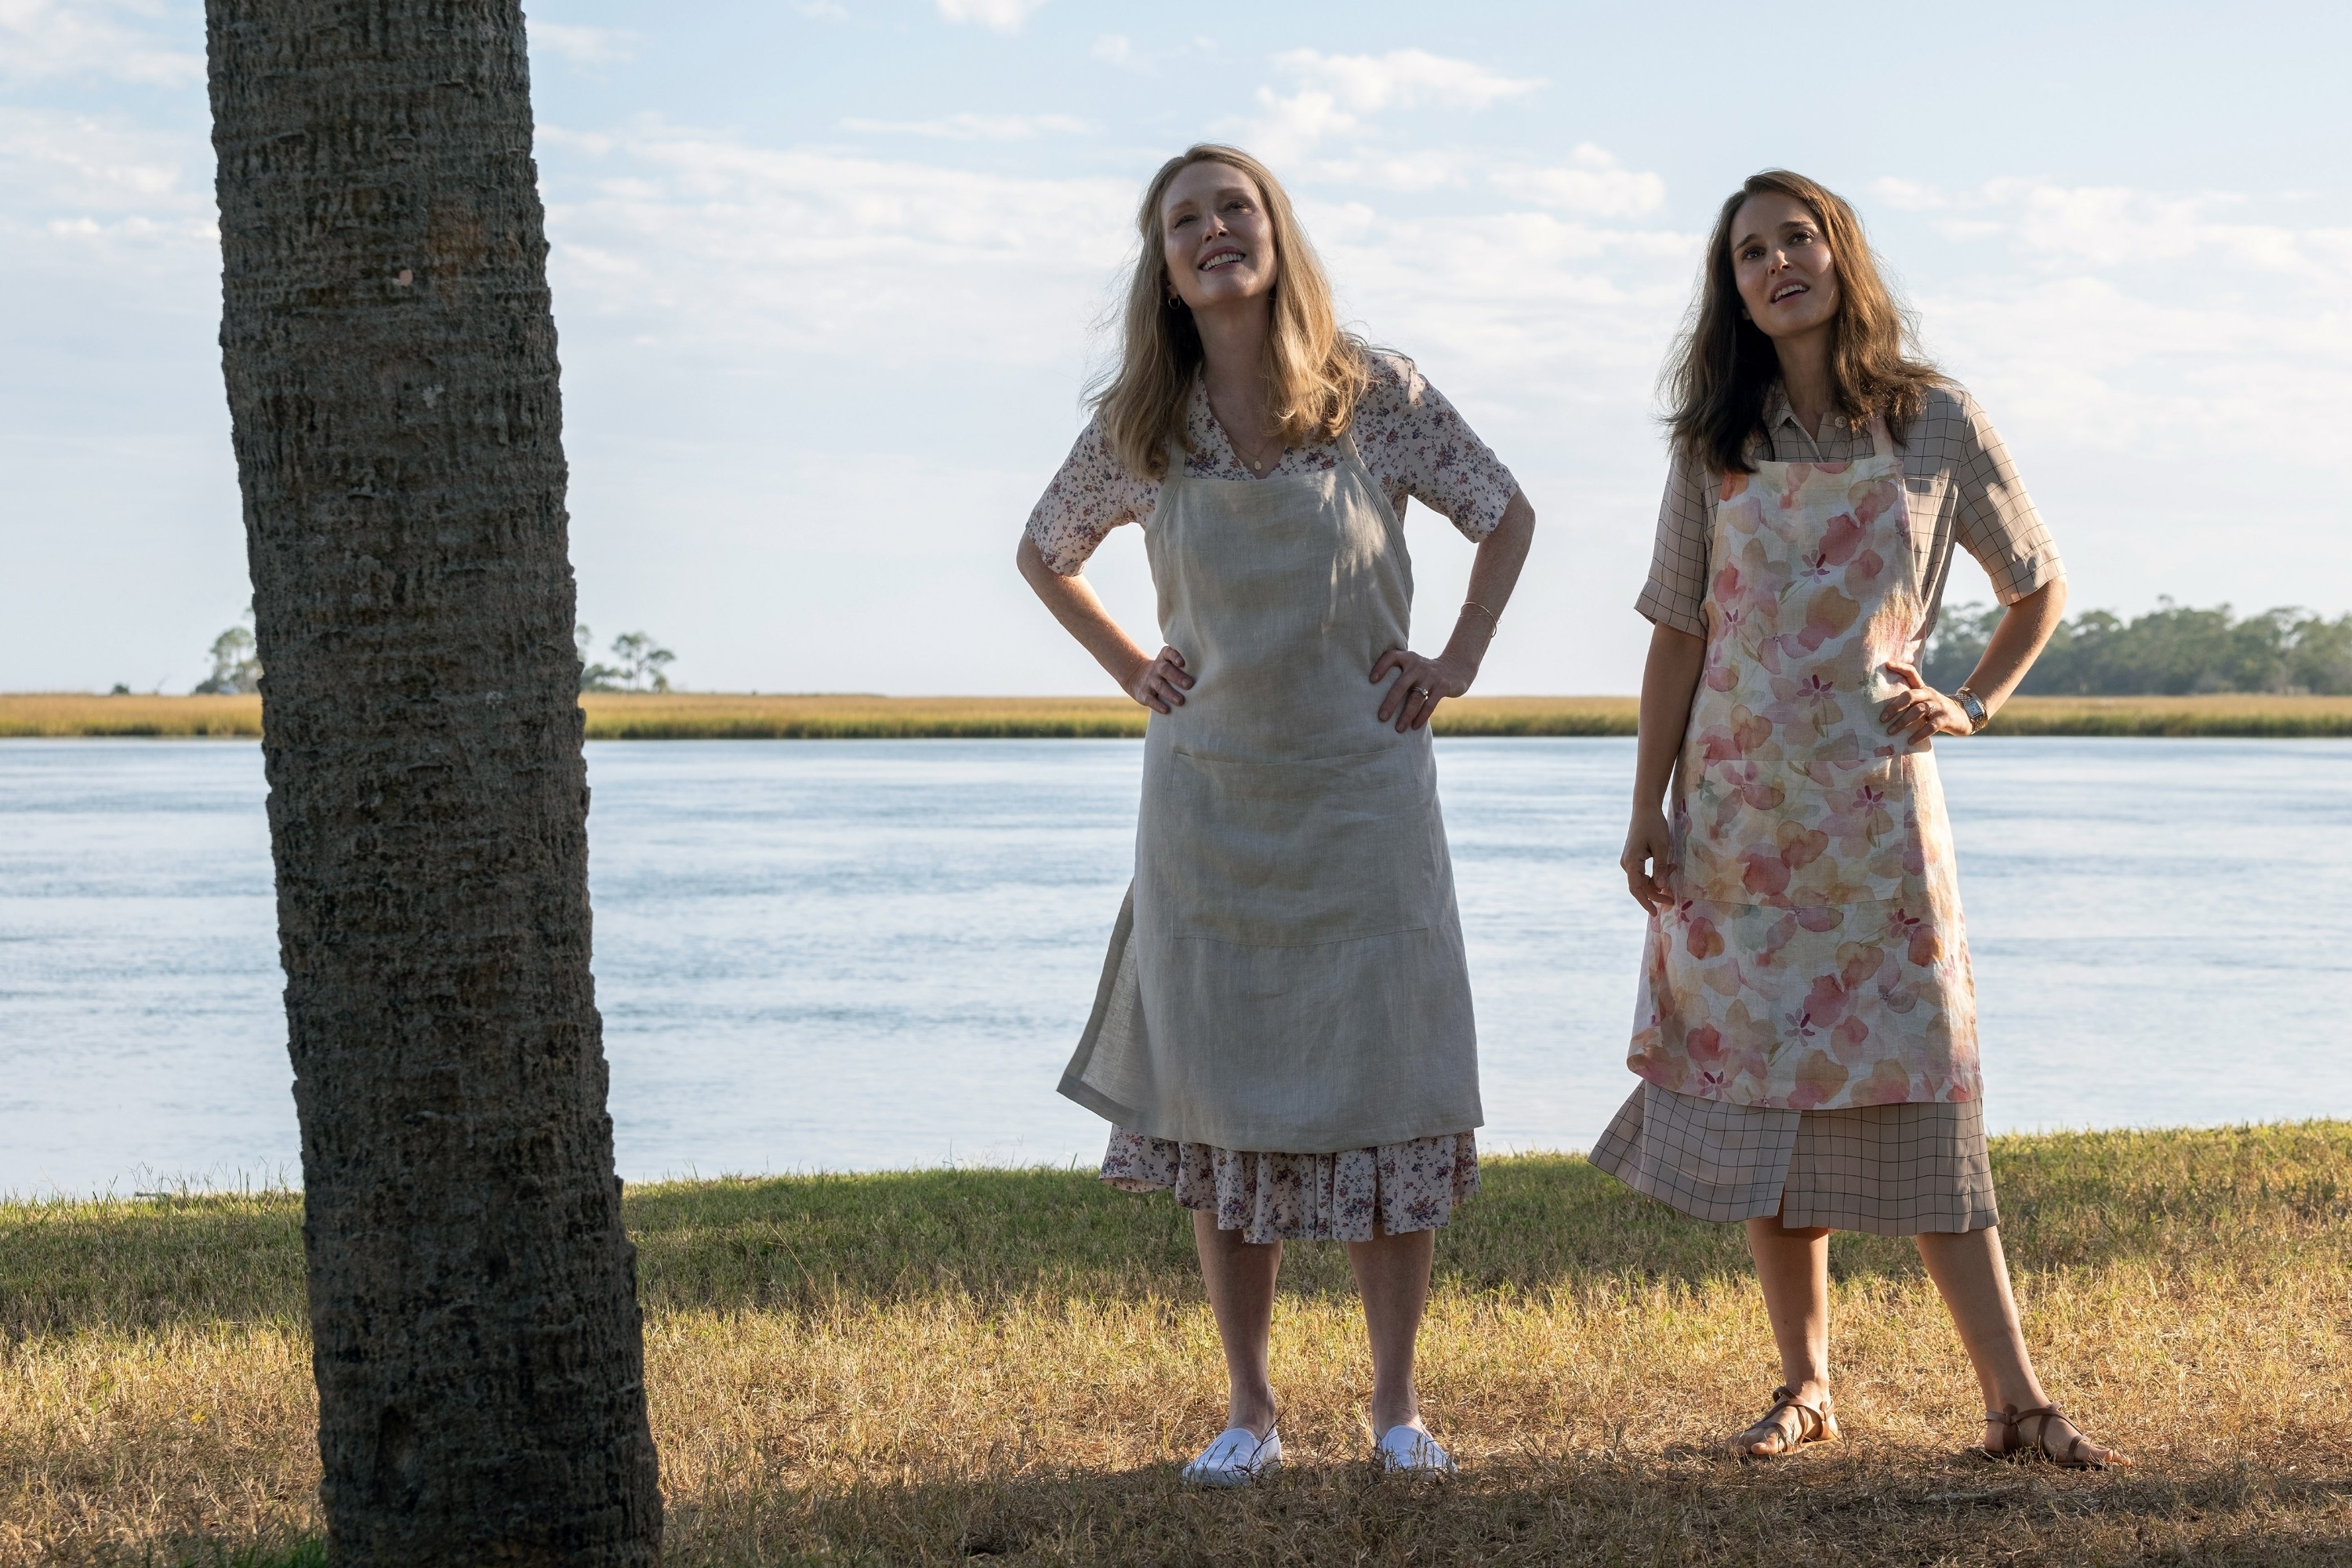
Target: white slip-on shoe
x,y
1236,1457
1410,1451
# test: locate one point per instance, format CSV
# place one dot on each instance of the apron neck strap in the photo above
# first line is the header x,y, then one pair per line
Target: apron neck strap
x,y
1882,441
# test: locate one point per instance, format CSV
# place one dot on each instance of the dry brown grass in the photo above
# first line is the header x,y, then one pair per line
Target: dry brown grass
x,y
2223,713
1006,1365
708,716
714,716
700,716
59,713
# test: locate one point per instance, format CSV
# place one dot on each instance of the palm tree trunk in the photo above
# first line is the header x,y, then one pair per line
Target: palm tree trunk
x,y
390,355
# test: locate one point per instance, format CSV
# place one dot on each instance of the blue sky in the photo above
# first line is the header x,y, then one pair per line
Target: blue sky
x,y
829,277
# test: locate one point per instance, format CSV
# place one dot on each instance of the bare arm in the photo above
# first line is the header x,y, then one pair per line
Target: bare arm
x,y
1496,571
1157,683
1669,677
2016,643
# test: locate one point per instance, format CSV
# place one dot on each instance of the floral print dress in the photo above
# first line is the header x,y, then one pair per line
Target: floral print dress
x,y
1415,446
1410,438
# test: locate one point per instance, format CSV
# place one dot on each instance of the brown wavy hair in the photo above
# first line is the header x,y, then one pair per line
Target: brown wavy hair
x,y
1723,365
1315,372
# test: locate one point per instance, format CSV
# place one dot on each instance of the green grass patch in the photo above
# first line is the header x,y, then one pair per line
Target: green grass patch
x,y
1544,1222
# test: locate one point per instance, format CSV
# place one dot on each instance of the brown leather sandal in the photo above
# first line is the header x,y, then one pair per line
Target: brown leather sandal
x,y
2015,1445
1813,1425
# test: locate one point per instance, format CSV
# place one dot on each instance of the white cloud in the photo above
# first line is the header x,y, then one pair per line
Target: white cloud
x,y
585,46
709,242
1908,195
91,174
974,127
1114,49
1336,95
1548,305
1403,78
120,39
1591,182
2140,320
2116,227
998,15
715,248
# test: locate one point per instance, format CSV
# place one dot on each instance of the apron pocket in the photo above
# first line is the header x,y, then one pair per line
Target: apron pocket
x,y
1296,853
1799,837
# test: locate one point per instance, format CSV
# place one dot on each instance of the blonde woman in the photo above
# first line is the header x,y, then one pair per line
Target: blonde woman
x,y
1282,1034
1806,1027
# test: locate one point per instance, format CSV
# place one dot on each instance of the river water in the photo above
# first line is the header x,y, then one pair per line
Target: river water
x,y
855,955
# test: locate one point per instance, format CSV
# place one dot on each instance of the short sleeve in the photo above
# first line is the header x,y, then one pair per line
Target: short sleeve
x,y
1415,442
1994,519
1676,592
1090,495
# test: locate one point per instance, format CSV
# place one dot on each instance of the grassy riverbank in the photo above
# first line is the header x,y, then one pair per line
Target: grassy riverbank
x,y
711,716
945,1366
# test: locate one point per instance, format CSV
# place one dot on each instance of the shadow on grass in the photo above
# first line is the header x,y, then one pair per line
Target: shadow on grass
x,y
1867,1509
1544,1222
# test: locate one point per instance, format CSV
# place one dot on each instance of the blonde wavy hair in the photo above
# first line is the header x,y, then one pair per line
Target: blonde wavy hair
x,y
1720,372
1315,372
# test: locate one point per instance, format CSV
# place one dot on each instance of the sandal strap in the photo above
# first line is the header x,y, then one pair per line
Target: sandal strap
x,y
2011,1417
1785,1398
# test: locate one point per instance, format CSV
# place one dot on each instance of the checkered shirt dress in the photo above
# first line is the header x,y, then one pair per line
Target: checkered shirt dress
x,y
1893,1170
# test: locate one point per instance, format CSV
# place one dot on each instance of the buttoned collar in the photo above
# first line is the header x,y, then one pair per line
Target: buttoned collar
x,y
1779,412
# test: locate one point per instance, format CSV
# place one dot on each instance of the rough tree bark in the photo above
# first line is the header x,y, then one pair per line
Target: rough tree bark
x,y
390,356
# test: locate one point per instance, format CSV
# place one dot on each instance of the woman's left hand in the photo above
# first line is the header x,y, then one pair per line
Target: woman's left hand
x,y
1425,683
1919,710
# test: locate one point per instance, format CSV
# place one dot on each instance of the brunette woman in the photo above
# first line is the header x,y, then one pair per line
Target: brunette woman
x,y
1806,1027
1282,1034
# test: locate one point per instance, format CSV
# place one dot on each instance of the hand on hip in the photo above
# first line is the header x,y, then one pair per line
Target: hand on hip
x,y
1919,710
1421,683
1161,683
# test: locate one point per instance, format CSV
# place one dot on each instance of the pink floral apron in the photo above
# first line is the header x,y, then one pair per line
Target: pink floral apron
x,y
1813,957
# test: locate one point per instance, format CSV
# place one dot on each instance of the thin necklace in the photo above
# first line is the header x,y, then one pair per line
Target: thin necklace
x,y
1256,466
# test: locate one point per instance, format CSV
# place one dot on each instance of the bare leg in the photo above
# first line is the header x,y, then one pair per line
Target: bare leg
x,y
1240,1278
1392,1277
1973,1278
1793,1268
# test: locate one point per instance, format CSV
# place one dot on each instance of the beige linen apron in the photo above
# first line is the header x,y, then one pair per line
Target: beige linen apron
x,y
1813,957
1287,973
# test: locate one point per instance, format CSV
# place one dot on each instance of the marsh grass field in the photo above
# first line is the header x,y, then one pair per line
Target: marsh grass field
x,y
716,716
1006,1366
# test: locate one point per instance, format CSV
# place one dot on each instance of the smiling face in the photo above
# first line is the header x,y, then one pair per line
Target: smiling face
x,y
1217,241
1781,260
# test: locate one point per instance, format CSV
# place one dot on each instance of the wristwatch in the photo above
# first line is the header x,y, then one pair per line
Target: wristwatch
x,y
1973,705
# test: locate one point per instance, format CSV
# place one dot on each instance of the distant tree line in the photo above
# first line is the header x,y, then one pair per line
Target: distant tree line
x,y
236,663
640,664
2172,650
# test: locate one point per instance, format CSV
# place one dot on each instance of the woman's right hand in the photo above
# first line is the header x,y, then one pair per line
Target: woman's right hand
x,y
1160,684
1649,848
